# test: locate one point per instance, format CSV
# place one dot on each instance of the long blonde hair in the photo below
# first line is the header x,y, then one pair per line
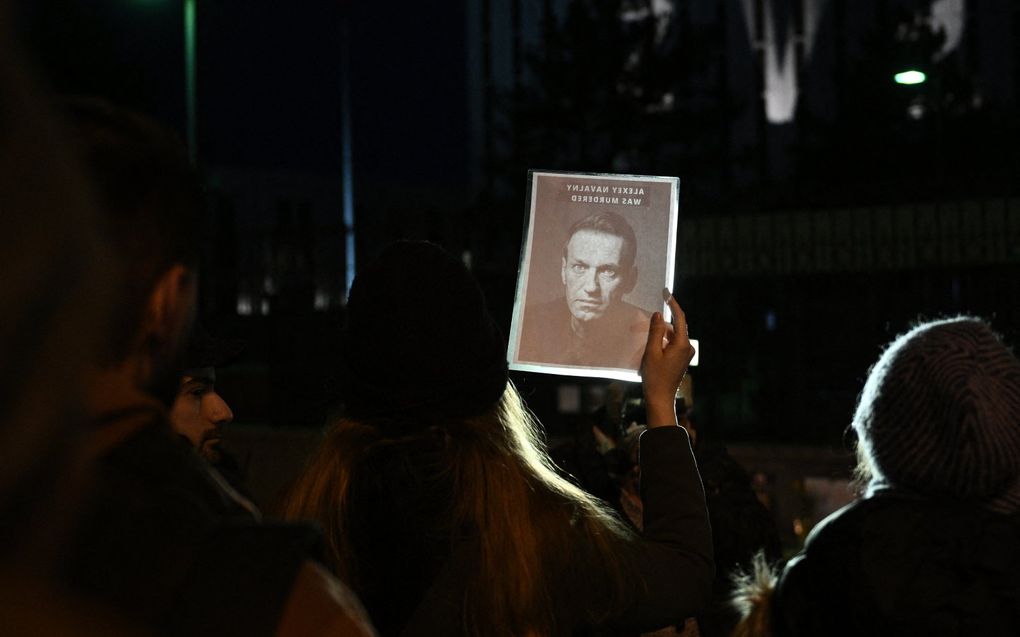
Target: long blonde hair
x,y
531,524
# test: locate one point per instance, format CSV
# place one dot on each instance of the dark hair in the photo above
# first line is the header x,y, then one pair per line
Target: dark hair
x,y
608,223
148,193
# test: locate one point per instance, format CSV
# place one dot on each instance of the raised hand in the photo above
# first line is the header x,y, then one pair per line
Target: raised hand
x,y
668,352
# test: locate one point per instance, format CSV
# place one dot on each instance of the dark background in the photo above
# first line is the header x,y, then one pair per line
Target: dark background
x,y
805,244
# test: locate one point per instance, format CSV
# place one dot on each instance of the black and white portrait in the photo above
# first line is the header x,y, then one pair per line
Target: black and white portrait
x,y
597,252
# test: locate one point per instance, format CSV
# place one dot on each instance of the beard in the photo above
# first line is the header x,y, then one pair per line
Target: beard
x,y
209,448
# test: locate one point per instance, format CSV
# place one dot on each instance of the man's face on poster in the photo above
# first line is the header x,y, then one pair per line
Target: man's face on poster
x,y
593,274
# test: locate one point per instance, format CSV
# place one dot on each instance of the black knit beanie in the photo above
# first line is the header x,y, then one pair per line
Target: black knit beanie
x,y
419,341
940,414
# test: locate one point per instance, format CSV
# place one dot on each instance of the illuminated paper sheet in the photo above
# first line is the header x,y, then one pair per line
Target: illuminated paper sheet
x,y
597,251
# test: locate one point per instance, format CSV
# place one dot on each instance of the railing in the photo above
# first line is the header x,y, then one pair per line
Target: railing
x,y
970,233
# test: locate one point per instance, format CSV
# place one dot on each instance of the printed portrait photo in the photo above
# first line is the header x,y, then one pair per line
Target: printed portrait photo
x,y
598,250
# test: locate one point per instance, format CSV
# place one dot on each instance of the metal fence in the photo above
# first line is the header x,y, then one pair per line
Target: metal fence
x,y
969,233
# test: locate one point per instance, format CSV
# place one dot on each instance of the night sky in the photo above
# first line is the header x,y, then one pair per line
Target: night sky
x,y
270,77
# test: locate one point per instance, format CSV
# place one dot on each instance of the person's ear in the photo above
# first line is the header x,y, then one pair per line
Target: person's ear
x,y
171,305
563,270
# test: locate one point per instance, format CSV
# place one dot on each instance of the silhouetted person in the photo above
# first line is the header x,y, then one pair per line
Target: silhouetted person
x,y
199,413
741,527
53,312
933,548
163,538
440,504
606,464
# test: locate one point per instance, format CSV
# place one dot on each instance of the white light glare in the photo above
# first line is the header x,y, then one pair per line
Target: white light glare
x,y
910,77
244,306
321,302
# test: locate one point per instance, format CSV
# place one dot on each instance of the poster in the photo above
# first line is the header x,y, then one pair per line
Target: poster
x,y
598,250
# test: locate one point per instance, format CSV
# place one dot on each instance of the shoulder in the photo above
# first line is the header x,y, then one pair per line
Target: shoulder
x,y
892,557
544,330
837,538
889,515
826,575
637,310
159,539
633,322
556,308
634,312
161,467
629,318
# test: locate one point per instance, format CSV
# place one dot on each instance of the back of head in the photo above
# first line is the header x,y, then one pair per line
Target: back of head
x,y
940,414
147,193
419,340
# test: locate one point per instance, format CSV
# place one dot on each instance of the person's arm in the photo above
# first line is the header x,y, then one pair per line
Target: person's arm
x,y
673,559
668,352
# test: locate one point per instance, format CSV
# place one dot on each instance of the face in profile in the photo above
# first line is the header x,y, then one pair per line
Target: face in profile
x,y
199,413
593,275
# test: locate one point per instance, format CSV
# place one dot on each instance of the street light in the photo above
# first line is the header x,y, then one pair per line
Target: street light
x,y
911,76
190,83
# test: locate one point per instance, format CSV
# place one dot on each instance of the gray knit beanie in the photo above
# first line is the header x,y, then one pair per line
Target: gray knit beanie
x,y
940,414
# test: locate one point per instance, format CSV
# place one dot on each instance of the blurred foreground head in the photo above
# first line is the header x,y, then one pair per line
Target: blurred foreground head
x,y
53,308
940,415
53,317
150,199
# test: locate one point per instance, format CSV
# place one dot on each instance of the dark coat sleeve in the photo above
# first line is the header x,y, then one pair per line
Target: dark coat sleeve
x,y
673,560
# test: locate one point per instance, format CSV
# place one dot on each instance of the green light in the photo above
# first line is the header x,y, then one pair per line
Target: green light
x,y
910,77
190,85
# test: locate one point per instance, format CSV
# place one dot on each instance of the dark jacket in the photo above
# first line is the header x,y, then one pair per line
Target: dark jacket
x,y
741,527
894,564
162,541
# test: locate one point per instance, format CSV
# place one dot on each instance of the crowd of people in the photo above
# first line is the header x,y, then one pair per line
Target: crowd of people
x,y
432,506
